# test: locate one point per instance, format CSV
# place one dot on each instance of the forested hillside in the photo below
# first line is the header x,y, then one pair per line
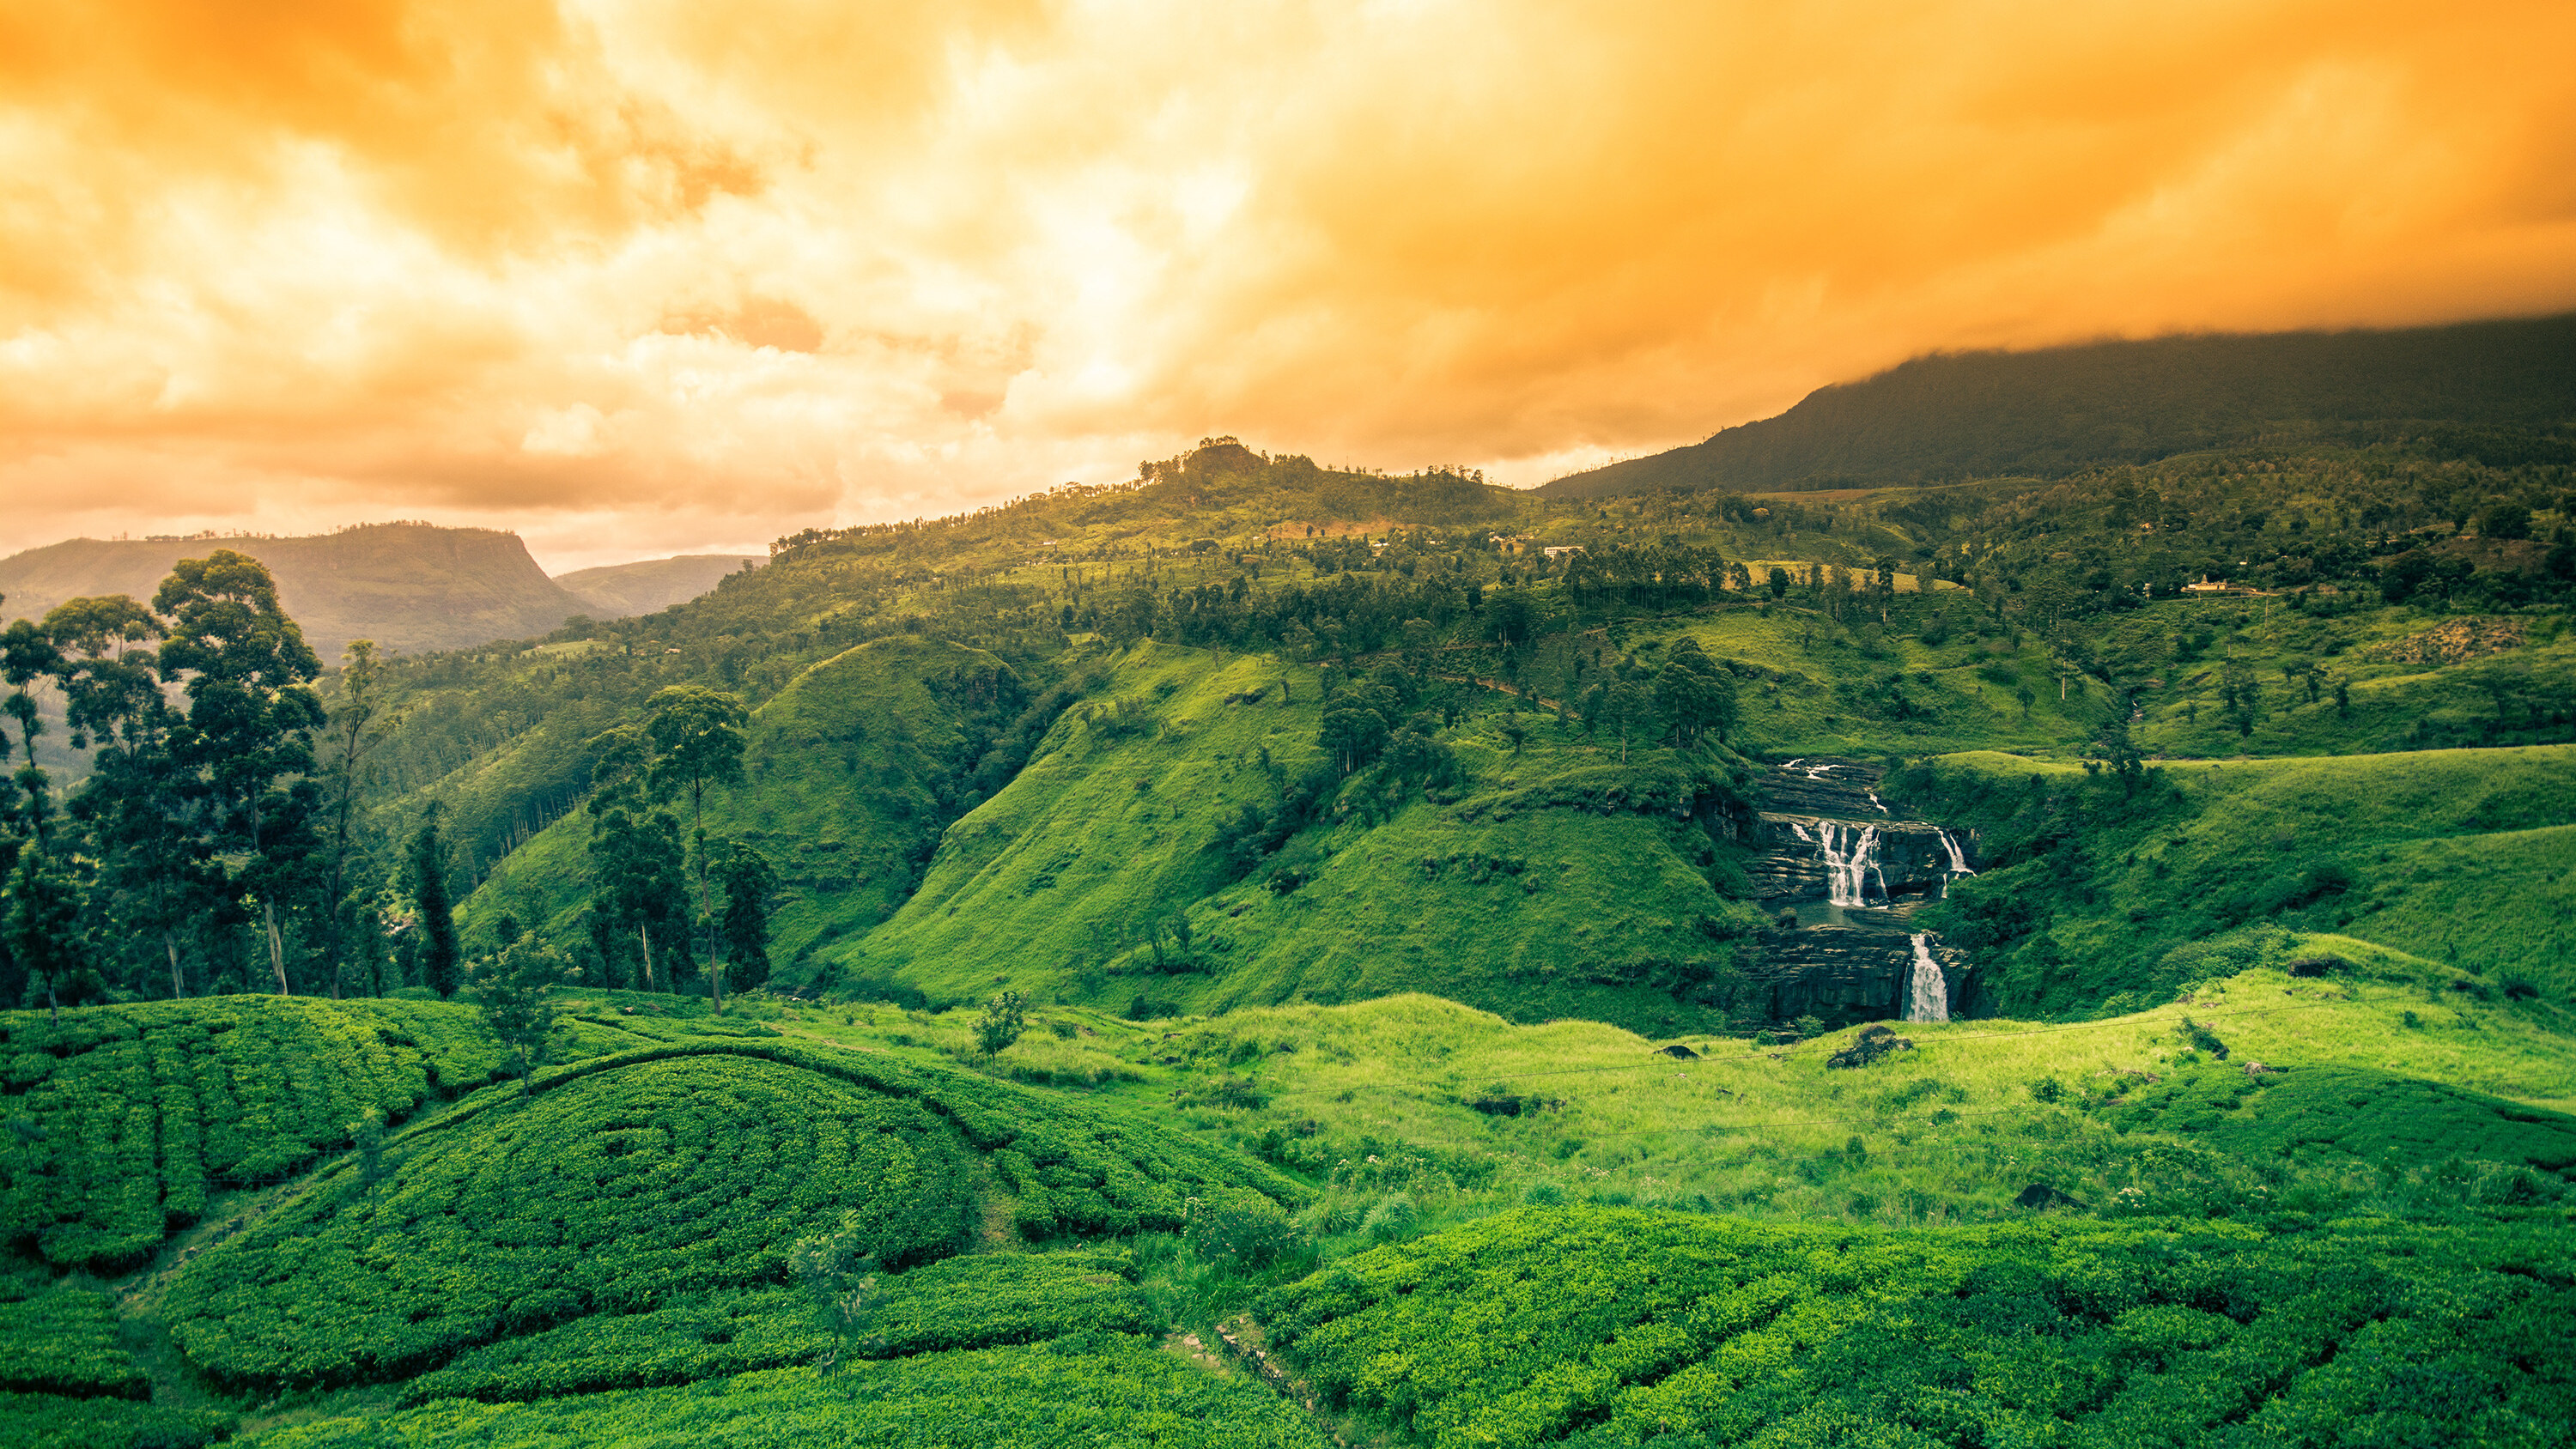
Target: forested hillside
x,y
2502,393
1279,956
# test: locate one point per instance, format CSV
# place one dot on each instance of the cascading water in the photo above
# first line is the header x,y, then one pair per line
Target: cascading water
x,y
1851,853
1928,999
1958,857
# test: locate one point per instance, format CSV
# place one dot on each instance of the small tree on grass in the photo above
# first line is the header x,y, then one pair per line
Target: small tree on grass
x,y
512,989
1000,1023
840,1273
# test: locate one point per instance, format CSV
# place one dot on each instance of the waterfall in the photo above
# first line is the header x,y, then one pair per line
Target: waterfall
x,y
1851,853
1958,857
1929,997
1881,804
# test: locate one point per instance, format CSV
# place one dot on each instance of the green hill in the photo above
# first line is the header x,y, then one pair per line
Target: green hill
x,y
408,586
615,591
2504,392
2103,888
1170,843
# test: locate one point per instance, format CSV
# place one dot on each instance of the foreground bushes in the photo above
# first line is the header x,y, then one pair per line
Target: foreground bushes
x,y
984,1301
613,1193
623,1185
128,1116
1599,1327
65,1342
1105,1389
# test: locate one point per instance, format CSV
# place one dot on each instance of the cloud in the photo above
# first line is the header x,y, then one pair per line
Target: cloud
x,y
636,276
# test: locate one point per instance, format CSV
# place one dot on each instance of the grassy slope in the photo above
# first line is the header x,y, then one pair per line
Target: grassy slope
x,y
1531,910
1951,1130
2456,855
836,796
1835,703
2394,705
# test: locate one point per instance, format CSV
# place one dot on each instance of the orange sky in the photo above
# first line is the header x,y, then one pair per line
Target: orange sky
x,y
637,278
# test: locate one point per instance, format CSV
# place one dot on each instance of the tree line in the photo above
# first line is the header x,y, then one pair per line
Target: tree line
x,y
223,838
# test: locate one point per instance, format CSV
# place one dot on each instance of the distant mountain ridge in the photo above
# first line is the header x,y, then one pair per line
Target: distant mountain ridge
x,y
648,586
2501,392
409,586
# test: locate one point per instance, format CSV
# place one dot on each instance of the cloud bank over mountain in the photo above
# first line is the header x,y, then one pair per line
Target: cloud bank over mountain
x,y
640,278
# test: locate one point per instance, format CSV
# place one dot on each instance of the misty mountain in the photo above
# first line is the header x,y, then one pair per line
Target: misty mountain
x,y
648,586
2503,393
408,586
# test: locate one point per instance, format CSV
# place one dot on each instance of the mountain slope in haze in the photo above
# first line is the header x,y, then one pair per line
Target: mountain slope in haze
x,y
648,586
2501,392
408,586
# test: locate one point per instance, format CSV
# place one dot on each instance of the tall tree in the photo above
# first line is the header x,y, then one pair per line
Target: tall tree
x,y
440,961
27,654
697,741
44,921
1696,693
249,728
638,880
350,737
748,882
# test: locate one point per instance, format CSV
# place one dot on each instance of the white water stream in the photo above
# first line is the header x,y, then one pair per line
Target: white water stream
x,y
1851,855
1928,998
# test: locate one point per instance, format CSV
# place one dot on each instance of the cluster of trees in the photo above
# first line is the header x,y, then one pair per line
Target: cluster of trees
x,y
225,838
653,911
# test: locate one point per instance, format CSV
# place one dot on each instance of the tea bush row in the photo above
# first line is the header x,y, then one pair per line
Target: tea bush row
x,y
2327,1112
612,1193
1104,1389
128,1117
983,1301
1603,1327
53,1421
125,1118
64,1342
624,1184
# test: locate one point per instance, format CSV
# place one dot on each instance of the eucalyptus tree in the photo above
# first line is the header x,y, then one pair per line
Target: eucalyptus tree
x,y
249,727
696,738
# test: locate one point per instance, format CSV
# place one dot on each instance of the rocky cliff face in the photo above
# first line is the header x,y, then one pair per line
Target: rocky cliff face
x,y
1848,869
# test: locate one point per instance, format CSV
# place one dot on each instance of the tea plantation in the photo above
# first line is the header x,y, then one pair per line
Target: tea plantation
x,y
1595,1327
1105,1389
621,1185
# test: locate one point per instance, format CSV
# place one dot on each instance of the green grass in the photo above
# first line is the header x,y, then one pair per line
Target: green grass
x,y
2107,885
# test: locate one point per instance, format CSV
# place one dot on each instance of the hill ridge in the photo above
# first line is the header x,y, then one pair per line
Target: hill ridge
x,y
2502,391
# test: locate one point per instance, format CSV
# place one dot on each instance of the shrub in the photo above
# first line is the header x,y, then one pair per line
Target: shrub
x,y
1241,1229
1391,1220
